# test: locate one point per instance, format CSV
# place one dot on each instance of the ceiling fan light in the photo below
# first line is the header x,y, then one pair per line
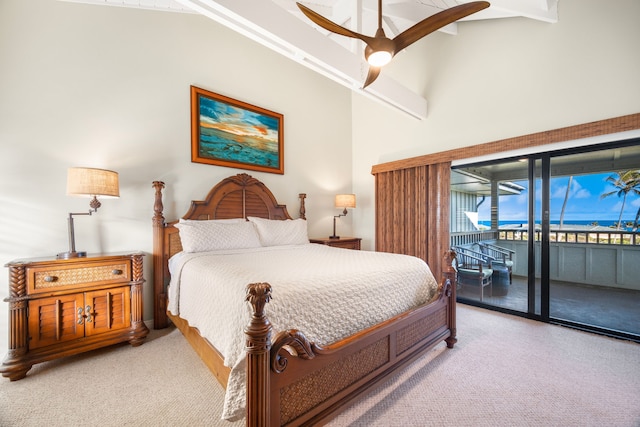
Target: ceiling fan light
x,y
379,58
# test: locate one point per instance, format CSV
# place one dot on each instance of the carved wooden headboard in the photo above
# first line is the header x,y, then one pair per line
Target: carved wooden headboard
x,y
238,196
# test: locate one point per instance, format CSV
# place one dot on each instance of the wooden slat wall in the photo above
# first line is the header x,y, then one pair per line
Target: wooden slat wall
x,y
412,212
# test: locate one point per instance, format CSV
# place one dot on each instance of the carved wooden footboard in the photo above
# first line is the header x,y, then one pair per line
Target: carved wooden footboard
x,y
311,383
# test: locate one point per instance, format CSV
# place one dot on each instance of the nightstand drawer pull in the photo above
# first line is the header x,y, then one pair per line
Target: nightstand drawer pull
x,y
80,316
88,313
50,279
116,272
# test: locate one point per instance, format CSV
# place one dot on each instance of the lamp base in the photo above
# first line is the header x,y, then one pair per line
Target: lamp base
x,y
334,237
69,255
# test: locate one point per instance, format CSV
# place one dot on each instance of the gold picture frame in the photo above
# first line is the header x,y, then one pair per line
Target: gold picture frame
x,y
232,133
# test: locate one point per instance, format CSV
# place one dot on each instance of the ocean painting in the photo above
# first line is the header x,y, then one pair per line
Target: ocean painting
x,y
231,133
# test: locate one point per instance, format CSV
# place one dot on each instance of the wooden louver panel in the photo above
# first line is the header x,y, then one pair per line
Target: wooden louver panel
x,y
109,310
412,212
54,320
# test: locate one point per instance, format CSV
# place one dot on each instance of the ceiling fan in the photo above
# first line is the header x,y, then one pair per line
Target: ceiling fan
x,y
380,49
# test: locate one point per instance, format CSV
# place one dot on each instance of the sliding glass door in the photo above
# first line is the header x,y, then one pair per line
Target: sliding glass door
x,y
559,233
594,272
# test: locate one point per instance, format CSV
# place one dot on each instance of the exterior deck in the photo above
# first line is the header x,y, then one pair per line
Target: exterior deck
x,y
609,308
594,277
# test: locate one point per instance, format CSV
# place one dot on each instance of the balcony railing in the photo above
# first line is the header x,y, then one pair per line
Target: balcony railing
x,y
615,253
600,237
467,238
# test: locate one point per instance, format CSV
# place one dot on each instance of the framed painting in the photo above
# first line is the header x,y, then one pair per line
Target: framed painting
x,y
232,133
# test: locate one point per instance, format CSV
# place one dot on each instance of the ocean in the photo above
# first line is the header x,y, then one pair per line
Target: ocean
x,y
567,223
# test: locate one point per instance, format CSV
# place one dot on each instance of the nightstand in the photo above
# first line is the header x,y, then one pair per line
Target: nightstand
x,y
61,307
341,242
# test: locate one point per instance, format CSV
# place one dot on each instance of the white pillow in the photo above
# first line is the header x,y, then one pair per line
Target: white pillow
x,y
273,232
212,235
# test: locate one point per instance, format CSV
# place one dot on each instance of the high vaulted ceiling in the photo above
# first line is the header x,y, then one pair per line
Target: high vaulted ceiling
x,y
279,25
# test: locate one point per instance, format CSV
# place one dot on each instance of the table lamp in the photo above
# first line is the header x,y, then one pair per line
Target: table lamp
x,y
88,182
342,201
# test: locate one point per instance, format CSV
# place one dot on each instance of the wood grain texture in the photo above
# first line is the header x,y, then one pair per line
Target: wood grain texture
x,y
412,215
341,242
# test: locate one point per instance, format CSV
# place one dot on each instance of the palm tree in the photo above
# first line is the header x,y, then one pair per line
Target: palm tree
x,y
636,186
564,204
625,182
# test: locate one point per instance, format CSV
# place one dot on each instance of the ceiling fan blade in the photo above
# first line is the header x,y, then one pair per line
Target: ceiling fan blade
x,y
437,21
373,74
329,25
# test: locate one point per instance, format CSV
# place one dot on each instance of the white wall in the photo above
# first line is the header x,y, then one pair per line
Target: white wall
x,y
108,87
502,79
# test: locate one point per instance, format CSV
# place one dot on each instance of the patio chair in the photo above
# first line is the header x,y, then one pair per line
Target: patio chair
x,y
473,269
502,256
487,260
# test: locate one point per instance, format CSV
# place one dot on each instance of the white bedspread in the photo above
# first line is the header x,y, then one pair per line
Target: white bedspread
x,y
313,286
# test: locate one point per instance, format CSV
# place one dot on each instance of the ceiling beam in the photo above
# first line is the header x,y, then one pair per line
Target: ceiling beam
x,y
165,5
540,10
274,27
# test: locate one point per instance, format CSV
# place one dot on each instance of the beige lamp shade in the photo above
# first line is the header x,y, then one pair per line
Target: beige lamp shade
x,y
92,182
345,201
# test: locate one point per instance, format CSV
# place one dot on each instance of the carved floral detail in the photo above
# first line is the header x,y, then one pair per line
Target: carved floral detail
x,y
243,179
258,330
447,288
291,338
449,272
258,294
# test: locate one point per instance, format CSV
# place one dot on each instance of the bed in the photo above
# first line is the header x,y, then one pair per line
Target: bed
x,y
287,378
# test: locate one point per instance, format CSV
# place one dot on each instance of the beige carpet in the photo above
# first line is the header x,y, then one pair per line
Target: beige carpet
x,y
504,371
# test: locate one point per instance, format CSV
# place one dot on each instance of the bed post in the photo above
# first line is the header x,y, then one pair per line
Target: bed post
x,y
449,277
258,333
160,319
303,210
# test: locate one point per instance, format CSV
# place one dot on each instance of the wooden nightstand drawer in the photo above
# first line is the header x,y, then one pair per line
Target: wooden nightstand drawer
x,y
51,278
340,242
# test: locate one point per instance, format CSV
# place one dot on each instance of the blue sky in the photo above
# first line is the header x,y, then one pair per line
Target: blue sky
x,y
584,203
